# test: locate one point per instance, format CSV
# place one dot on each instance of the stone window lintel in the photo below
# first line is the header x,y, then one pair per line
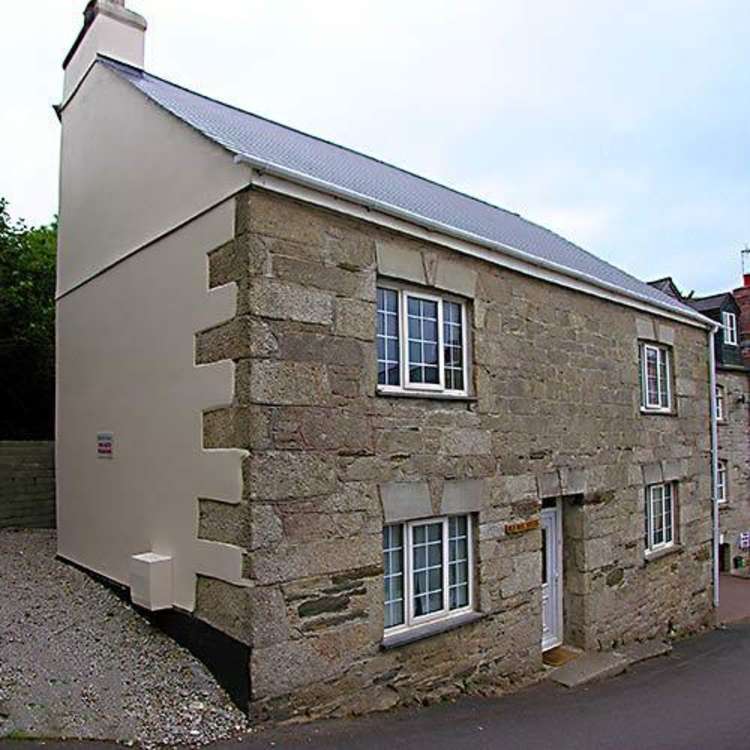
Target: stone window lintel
x,y
405,501
462,496
405,263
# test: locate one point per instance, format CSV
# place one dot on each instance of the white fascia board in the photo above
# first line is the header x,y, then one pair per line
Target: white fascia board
x,y
310,190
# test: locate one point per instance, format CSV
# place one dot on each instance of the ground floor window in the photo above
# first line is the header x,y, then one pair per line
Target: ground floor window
x,y
720,403
427,570
721,482
660,514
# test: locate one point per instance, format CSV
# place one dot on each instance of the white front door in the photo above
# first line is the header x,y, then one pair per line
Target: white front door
x,y
552,611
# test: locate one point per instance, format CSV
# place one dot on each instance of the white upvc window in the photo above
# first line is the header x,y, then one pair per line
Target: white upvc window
x,y
428,571
721,483
720,403
421,341
655,378
660,516
730,328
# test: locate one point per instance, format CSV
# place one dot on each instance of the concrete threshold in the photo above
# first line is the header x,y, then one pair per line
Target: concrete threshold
x,y
599,665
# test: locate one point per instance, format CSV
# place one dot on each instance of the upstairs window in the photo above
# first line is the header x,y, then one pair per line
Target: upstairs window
x,y
421,341
660,515
720,404
656,388
721,482
428,571
730,328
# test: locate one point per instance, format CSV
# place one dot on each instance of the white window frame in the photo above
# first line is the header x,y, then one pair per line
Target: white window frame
x,y
721,403
406,374
646,405
412,621
650,546
406,385
722,482
729,319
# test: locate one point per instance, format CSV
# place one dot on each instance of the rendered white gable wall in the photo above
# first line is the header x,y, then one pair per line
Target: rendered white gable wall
x,y
129,173
143,200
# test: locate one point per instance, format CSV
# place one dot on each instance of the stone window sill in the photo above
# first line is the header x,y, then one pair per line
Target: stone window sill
x,y
426,395
657,412
675,549
430,629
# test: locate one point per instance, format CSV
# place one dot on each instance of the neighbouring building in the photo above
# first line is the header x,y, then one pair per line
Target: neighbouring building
x,y
733,417
392,440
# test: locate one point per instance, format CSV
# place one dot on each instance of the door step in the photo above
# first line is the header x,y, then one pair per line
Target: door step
x,y
578,667
556,657
643,650
590,667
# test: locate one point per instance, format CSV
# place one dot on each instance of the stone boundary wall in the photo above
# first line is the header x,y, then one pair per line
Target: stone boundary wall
x,y
27,484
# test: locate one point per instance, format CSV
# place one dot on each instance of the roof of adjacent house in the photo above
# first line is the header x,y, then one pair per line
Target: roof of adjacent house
x,y
262,140
668,286
713,302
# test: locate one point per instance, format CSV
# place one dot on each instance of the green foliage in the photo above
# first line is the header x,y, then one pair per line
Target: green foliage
x,y
27,328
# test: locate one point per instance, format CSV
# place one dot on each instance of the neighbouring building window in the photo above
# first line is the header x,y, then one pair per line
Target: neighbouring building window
x,y
427,571
721,482
660,507
421,342
730,328
656,388
720,403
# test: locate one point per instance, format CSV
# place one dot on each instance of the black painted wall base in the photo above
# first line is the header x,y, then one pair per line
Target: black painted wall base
x,y
226,658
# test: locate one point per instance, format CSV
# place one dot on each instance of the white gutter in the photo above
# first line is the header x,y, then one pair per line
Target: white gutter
x,y
714,462
436,226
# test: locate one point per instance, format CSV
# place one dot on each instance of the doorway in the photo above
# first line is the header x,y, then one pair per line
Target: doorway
x,y
552,574
725,555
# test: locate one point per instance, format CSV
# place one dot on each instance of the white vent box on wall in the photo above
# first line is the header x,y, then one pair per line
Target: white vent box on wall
x,y
151,581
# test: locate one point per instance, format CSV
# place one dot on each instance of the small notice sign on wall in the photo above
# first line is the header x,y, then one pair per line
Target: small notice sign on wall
x,y
104,444
744,540
522,526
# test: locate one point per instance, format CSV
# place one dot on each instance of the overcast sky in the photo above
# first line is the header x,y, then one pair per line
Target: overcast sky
x,y
623,126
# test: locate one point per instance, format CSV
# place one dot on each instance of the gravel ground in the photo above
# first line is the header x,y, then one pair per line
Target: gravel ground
x,y
77,662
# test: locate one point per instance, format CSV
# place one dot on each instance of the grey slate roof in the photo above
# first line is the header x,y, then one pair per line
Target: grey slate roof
x,y
709,304
243,133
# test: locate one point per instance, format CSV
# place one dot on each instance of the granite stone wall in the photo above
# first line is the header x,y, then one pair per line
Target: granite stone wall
x,y
554,411
734,448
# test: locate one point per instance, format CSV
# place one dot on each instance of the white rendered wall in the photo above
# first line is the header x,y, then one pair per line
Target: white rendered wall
x,y
129,172
126,352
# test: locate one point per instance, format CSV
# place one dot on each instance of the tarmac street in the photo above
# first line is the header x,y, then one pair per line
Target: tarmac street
x,y
689,700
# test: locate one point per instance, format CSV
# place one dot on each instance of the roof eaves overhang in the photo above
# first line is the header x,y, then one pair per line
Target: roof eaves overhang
x,y
497,250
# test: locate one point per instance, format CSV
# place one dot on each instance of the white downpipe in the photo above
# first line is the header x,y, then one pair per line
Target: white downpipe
x,y
714,461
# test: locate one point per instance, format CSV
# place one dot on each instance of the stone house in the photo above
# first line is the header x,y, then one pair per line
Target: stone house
x,y
389,441
733,419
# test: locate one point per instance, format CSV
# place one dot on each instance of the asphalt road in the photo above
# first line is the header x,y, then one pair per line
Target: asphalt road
x,y
693,699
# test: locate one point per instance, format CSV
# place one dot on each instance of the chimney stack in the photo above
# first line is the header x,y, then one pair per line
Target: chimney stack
x,y
742,297
109,28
